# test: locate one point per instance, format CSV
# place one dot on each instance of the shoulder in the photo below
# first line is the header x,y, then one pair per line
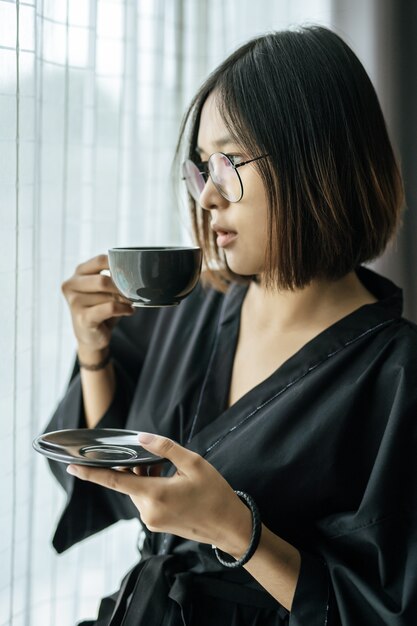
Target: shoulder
x,y
397,369
401,336
409,328
395,356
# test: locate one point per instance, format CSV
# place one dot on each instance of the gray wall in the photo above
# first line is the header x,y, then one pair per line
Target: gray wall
x,y
384,35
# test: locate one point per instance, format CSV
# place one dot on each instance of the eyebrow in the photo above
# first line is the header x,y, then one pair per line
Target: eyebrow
x,y
219,143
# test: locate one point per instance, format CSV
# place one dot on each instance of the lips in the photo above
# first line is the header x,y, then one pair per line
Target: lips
x,y
225,236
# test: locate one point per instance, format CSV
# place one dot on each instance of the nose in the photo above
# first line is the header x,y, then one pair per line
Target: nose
x,y
211,198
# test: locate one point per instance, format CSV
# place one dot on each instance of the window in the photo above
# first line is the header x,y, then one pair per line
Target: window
x,y
91,92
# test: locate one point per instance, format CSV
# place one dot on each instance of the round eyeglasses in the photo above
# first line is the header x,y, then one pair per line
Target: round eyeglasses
x,y
223,173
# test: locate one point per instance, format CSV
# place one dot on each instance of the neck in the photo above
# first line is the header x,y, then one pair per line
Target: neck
x,y
320,303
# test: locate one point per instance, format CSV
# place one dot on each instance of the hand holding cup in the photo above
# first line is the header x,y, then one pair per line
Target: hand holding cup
x,y
95,304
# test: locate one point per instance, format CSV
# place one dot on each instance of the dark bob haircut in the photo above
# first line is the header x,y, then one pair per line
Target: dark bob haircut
x,y
333,185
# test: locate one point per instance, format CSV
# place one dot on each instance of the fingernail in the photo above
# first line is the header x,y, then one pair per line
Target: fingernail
x,y
146,437
72,470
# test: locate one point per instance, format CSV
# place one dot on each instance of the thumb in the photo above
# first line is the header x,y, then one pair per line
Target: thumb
x,y
168,449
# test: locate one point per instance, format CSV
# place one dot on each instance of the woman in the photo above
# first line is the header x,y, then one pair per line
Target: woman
x,y
289,377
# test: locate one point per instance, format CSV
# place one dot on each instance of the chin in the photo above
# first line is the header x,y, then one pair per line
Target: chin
x,y
246,264
243,269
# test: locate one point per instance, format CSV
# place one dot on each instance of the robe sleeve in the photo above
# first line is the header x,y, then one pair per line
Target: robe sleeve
x,y
91,508
370,577
365,568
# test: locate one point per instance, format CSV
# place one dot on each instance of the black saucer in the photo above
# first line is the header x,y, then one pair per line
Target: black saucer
x,y
101,447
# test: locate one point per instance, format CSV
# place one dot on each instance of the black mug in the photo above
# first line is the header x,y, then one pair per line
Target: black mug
x,y
155,276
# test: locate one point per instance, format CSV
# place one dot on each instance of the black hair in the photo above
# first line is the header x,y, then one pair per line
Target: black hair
x,y
333,184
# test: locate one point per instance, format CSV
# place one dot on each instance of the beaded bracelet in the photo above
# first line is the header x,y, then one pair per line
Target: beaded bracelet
x,y
98,366
254,540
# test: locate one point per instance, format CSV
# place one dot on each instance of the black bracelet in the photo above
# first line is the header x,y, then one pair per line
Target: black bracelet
x,y
254,540
97,366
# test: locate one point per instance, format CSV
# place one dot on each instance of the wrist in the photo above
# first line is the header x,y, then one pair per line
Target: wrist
x,y
245,536
91,357
237,539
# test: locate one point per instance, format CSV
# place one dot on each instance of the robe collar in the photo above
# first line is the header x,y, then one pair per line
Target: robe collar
x,y
215,420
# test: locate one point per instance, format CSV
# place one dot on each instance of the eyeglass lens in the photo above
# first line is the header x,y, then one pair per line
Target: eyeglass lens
x,y
222,173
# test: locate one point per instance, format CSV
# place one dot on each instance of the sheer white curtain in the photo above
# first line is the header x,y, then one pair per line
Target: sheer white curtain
x,y
91,96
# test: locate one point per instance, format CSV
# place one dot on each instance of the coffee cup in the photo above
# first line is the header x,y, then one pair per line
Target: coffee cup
x,y
155,276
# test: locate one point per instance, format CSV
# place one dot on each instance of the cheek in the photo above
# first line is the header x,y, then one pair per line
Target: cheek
x,y
257,227
248,256
263,229
255,238
257,204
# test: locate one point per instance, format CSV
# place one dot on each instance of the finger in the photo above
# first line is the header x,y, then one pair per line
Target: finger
x,y
95,315
82,300
94,265
92,283
141,470
123,482
148,470
183,459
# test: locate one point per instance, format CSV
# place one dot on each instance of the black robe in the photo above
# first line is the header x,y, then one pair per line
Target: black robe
x,y
326,446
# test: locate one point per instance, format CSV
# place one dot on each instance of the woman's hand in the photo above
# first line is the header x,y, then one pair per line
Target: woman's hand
x,y
95,304
195,503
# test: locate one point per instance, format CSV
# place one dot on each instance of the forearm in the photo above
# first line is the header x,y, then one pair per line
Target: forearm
x,y
98,387
276,566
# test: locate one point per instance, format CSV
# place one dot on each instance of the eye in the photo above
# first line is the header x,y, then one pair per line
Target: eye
x,y
203,167
235,158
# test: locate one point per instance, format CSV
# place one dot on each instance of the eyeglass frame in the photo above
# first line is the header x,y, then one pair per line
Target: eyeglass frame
x,y
205,172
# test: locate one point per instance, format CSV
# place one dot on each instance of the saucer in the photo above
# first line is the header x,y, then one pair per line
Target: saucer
x,y
100,447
